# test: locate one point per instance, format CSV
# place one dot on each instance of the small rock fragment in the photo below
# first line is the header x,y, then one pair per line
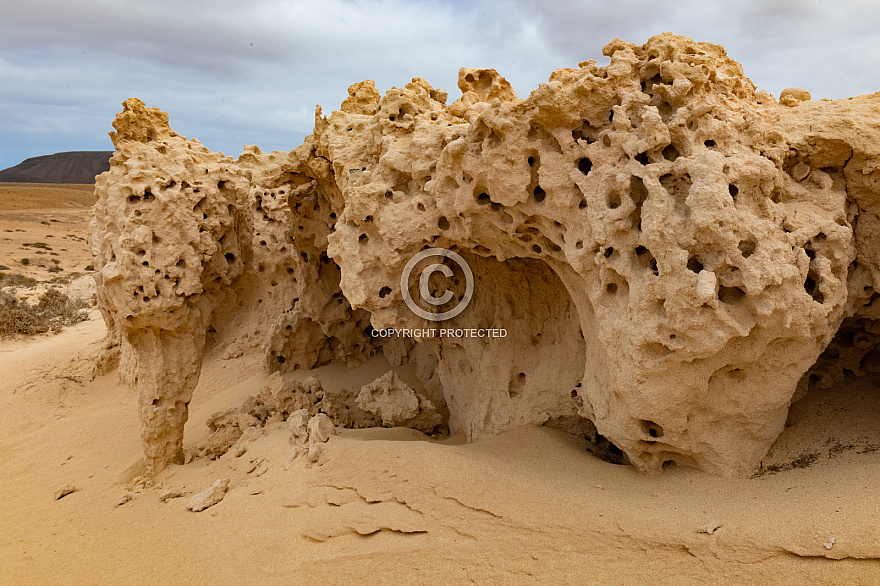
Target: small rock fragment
x,y
210,497
800,171
829,543
64,491
709,528
295,453
320,429
298,423
707,286
794,96
123,498
171,493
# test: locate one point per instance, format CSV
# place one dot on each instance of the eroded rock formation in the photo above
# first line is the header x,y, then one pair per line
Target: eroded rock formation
x,y
668,250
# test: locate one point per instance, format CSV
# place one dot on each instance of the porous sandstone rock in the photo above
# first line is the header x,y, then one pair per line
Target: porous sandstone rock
x,y
390,402
668,250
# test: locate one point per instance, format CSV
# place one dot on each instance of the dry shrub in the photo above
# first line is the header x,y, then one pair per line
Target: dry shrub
x,y
54,311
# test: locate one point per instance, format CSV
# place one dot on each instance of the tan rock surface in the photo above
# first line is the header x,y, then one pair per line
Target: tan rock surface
x,y
668,251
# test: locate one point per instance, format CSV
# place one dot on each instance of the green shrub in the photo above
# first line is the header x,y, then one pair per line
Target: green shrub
x,y
25,261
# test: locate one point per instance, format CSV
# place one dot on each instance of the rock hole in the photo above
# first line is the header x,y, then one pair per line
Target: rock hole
x,y
579,244
585,165
443,223
384,291
652,429
733,190
638,193
611,288
670,153
608,252
536,248
613,200
730,294
647,259
363,238
531,161
811,286
709,143
606,140
747,248
539,194
642,158
694,265
483,198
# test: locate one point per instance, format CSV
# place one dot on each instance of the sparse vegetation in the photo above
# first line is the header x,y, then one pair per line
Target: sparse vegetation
x,y
54,311
15,280
25,261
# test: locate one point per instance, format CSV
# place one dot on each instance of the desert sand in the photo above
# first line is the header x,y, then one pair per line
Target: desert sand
x,y
530,506
44,223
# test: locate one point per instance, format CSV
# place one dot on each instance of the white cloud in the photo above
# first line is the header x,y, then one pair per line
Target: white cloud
x,y
232,73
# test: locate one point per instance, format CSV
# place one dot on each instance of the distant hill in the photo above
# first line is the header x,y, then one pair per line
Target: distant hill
x,y
72,167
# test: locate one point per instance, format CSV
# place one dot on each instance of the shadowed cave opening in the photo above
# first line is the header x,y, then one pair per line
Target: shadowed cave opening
x,y
834,412
531,376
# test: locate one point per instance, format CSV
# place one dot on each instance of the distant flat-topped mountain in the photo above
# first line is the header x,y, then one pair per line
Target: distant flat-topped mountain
x,y
71,167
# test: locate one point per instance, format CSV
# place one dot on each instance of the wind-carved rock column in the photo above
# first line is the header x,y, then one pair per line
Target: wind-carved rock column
x,y
164,240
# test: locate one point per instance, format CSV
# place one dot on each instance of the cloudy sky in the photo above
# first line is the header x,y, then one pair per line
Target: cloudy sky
x,y
231,72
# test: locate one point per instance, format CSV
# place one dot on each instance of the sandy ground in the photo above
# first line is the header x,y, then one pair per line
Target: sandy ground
x,y
393,506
